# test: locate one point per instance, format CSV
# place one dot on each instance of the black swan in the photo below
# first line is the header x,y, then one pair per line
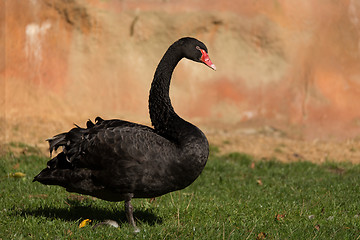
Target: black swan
x,y
116,160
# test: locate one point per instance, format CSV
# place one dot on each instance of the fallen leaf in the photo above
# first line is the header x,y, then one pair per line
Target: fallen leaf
x,y
317,227
259,182
16,166
17,175
280,217
252,166
311,217
261,236
84,223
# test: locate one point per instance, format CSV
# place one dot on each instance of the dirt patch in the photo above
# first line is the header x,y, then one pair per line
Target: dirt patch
x,y
267,143
264,143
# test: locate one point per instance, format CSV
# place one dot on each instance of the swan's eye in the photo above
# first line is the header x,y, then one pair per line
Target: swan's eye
x,y
197,47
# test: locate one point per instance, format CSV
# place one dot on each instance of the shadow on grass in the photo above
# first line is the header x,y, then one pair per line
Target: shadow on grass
x,y
76,213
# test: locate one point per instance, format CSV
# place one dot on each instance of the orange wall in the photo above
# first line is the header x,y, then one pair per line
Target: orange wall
x,y
293,65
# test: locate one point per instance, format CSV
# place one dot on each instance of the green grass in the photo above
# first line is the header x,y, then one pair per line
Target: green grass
x,y
234,198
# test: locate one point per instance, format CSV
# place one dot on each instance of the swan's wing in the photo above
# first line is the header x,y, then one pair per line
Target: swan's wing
x,y
118,155
129,158
112,142
124,146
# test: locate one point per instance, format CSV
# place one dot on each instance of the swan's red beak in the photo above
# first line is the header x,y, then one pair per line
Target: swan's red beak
x,y
205,59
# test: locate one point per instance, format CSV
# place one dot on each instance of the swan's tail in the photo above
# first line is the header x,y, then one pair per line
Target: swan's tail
x,y
70,141
60,169
56,172
62,173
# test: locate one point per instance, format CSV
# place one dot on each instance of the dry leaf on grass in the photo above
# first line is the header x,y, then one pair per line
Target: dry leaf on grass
x,y
84,223
261,236
252,166
16,166
17,175
280,217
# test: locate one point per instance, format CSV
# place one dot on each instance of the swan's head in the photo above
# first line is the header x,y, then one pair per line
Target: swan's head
x,y
195,50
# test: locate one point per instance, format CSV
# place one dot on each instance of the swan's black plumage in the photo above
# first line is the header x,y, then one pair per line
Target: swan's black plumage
x,y
116,160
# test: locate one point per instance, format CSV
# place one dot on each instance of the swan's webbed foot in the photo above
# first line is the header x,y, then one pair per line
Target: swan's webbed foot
x,y
129,211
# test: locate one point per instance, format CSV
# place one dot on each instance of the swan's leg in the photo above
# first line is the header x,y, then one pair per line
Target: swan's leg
x,y
129,210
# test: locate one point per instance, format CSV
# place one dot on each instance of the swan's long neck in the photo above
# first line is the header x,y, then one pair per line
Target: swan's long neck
x,y
190,139
162,114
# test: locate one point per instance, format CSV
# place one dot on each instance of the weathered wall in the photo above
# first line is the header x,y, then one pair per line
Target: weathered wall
x,y
293,65
2,71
